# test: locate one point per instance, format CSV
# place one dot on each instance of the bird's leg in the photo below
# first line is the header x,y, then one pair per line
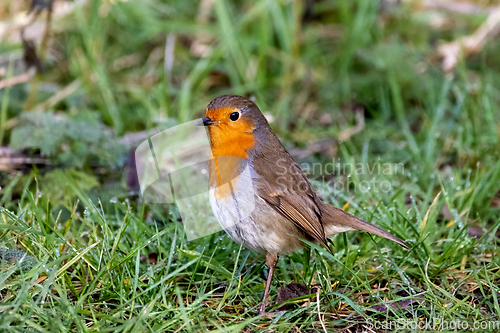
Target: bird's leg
x,y
271,261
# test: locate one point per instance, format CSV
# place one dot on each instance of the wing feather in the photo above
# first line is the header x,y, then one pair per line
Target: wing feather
x,y
291,195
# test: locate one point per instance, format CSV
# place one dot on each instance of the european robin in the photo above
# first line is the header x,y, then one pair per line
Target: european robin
x,y
283,213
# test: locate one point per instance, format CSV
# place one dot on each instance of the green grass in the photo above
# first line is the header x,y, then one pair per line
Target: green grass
x,y
108,262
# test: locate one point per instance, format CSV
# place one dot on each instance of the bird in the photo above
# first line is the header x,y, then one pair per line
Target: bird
x,y
285,208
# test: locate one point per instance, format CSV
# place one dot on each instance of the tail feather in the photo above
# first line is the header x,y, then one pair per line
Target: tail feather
x,y
335,219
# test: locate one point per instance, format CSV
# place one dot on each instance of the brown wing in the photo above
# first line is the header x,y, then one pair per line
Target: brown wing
x,y
288,191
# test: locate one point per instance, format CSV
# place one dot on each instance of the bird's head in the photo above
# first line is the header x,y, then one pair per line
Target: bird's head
x,y
232,123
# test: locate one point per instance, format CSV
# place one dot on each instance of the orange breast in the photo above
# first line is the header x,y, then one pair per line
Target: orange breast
x,y
229,144
223,175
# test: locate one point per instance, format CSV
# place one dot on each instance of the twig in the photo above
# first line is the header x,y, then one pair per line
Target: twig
x,y
456,7
51,101
12,81
59,95
43,49
182,326
360,124
452,52
8,163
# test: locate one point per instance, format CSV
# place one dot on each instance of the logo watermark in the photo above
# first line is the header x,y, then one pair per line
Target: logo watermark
x,y
175,167
432,324
340,176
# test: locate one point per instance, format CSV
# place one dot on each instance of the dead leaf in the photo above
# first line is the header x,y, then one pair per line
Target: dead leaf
x,y
291,291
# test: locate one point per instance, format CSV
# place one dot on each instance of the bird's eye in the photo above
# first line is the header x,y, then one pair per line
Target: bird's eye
x,y
234,116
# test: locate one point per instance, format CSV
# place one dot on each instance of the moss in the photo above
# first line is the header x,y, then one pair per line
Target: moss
x,y
11,257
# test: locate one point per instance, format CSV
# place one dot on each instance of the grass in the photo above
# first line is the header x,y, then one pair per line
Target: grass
x,y
106,261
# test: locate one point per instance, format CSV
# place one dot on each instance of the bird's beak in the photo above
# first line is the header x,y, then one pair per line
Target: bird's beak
x,y
206,122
